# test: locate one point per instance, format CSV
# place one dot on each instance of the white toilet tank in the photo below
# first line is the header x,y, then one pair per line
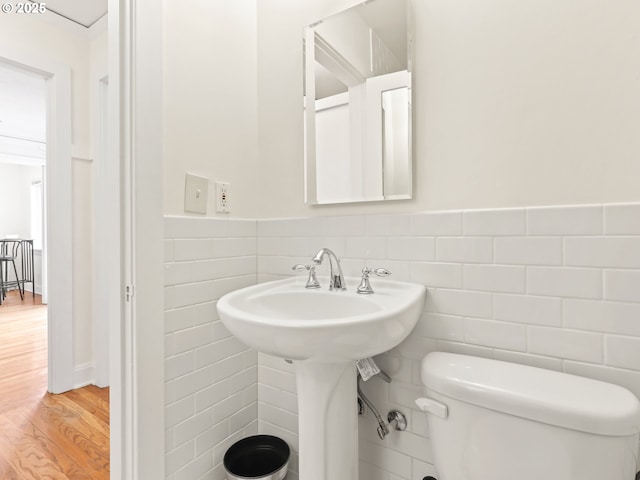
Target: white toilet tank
x,y
492,420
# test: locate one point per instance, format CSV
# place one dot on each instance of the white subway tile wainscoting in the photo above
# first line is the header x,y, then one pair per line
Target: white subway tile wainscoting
x,y
555,287
211,378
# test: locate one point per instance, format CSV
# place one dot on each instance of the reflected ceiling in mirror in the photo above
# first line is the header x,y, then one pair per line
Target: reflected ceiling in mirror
x,y
357,102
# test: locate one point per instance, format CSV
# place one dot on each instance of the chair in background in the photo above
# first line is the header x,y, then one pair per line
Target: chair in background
x,y
9,250
28,273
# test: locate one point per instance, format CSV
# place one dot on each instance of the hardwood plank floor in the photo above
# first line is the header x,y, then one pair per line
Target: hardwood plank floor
x,y
45,436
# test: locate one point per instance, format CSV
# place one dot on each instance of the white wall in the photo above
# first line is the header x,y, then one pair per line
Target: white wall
x,y
210,124
210,101
515,104
15,196
98,69
35,36
84,167
46,37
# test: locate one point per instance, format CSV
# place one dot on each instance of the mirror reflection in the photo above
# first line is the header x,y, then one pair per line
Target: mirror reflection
x,y
358,105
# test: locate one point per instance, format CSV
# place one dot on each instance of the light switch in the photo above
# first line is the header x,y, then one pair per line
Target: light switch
x,y
196,190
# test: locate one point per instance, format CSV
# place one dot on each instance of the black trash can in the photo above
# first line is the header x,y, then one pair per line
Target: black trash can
x,y
260,457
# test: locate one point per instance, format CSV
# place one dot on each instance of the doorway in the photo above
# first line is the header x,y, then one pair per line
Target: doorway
x,y
57,229
23,314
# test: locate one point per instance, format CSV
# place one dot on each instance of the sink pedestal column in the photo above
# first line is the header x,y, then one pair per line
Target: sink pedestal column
x,y
327,420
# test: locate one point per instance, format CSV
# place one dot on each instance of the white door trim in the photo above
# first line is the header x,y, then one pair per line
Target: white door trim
x,y
58,232
137,356
120,409
106,215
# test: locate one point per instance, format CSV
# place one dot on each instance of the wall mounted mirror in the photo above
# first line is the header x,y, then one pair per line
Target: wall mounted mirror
x,y
357,105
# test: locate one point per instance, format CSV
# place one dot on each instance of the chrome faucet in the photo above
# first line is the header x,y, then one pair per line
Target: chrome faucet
x,y
336,278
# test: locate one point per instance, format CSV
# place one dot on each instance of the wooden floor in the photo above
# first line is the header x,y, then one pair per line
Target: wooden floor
x,y
44,436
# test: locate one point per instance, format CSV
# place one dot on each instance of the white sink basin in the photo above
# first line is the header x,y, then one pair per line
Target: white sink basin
x,y
283,318
324,332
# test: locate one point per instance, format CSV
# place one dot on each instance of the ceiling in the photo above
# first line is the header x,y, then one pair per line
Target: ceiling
x,y
82,12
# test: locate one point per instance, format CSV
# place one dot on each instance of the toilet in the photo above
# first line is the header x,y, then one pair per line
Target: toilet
x,y
493,420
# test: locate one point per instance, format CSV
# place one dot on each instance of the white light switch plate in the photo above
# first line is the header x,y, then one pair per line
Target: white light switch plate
x,y
196,190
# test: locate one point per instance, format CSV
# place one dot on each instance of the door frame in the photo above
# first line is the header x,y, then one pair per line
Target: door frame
x,y
137,346
58,235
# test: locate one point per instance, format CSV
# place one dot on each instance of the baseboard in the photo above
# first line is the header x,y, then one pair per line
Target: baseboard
x,y
83,375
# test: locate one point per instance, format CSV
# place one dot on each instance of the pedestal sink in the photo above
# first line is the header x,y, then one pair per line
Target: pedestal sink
x,y
324,332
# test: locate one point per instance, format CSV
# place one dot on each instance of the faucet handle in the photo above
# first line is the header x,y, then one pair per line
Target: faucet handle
x,y
365,285
312,281
380,272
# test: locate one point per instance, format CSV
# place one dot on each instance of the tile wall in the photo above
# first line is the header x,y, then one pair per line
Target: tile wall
x,y
210,385
555,287
552,287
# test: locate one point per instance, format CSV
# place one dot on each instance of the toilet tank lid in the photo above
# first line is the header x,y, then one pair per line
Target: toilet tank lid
x,y
545,396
